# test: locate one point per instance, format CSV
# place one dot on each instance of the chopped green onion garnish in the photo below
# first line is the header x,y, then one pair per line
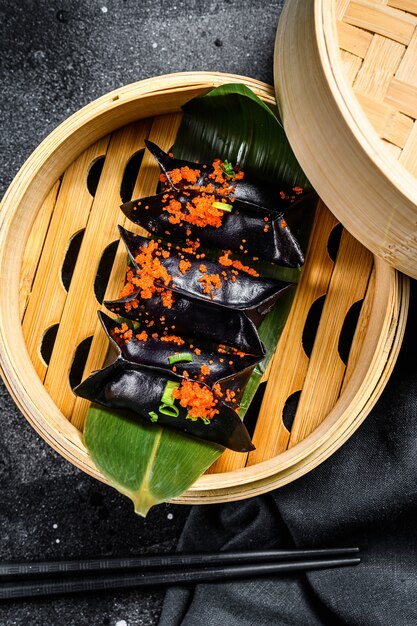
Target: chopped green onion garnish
x,y
180,357
227,168
194,419
169,409
223,206
167,395
154,416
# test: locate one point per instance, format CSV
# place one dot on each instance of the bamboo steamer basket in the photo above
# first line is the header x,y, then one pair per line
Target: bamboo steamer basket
x,y
52,201
347,81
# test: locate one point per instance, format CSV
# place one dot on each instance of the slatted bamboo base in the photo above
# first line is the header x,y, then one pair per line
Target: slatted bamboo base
x,y
48,309
348,78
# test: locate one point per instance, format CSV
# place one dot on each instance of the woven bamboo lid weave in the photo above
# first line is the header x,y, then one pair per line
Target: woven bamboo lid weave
x,y
346,78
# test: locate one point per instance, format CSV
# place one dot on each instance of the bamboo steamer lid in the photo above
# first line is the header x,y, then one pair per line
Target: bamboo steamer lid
x,y
346,80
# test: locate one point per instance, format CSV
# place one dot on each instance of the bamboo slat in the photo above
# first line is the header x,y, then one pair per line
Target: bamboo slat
x,y
34,247
387,120
402,96
379,66
351,65
408,157
354,40
404,5
407,68
383,20
43,391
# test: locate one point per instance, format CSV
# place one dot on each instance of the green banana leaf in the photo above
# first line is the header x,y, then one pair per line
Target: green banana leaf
x,y
231,121
147,463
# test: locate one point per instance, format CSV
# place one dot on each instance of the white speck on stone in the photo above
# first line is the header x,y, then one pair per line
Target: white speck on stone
x,y
154,45
104,9
170,516
248,54
57,540
121,622
55,526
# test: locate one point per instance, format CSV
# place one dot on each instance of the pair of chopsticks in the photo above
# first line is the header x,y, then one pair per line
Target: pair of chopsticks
x,y
29,580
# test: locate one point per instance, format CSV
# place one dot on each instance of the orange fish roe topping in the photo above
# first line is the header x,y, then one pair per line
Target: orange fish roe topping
x,y
202,268
184,266
173,339
204,370
167,298
230,395
185,174
199,212
218,174
128,288
150,270
143,336
266,228
132,304
197,351
198,399
238,265
122,335
210,282
217,390
203,213
283,224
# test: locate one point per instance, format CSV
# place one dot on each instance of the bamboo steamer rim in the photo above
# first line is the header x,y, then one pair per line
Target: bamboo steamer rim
x,y
321,42
45,164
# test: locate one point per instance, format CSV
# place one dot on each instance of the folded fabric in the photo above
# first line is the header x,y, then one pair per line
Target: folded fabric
x,y
365,495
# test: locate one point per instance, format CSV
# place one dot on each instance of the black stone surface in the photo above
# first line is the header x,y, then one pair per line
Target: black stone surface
x,y
56,57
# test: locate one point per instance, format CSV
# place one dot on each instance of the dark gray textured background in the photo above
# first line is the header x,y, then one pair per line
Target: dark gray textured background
x,y
55,58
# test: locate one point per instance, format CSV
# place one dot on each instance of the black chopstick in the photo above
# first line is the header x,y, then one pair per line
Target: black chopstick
x,y
121,580
29,570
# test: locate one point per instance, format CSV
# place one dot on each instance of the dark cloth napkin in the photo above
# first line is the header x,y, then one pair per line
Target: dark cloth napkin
x,y
365,495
